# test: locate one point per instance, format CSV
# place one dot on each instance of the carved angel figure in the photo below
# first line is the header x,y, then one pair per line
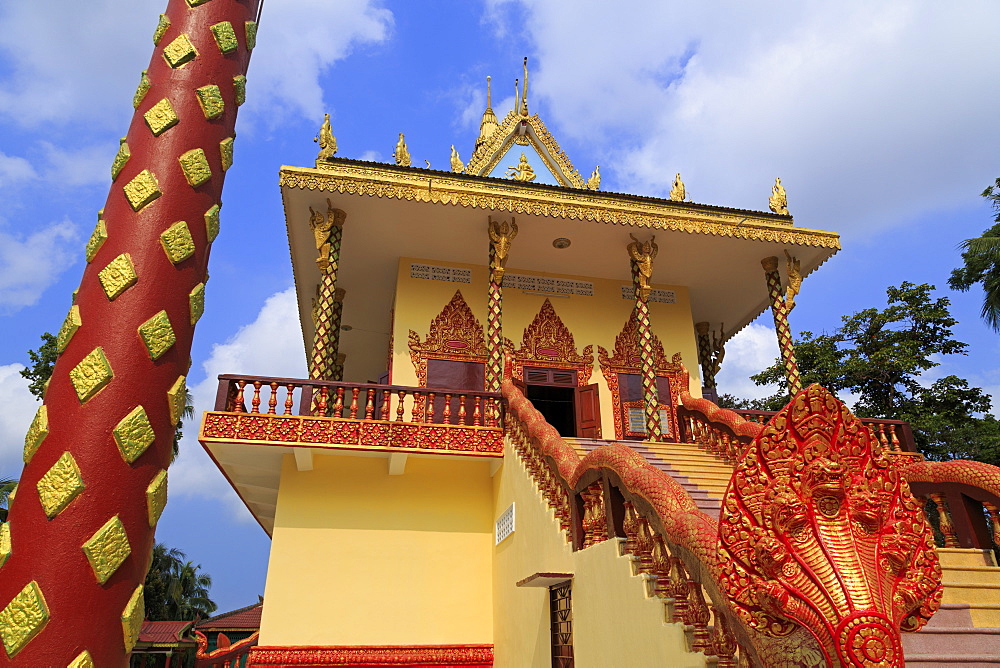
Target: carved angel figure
x,y
594,182
456,162
778,200
678,192
502,234
401,154
643,253
327,142
794,281
523,171
322,227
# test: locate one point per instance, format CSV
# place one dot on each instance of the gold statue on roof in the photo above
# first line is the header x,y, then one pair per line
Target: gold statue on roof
x,y
502,234
594,182
778,200
794,281
643,253
322,227
523,172
401,154
327,142
456,162
678,192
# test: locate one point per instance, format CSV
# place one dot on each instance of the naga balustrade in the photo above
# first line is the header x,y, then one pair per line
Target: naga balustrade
x,y
614,493
232,656
896,436
302,411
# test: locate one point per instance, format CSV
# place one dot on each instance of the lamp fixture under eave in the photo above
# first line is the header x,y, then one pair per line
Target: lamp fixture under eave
x,y
561,242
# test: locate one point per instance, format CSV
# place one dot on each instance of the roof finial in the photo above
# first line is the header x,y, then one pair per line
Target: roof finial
x,y
524,97
489,123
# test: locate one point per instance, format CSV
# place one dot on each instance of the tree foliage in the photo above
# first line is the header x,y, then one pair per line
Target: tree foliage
x,y
7,486
175,589
981,264
42,361
881,356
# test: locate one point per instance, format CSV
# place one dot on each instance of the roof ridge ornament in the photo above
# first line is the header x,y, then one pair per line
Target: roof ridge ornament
x,y
678,192
401,154
778,201
524,96
327,142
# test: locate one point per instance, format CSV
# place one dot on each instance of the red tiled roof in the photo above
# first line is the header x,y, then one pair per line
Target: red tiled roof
x,y
244,618
164,632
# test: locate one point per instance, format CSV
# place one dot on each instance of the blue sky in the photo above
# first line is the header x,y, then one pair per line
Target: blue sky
x,y
880,119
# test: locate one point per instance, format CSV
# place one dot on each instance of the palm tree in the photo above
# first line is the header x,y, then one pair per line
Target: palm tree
x,y
981,258
7,486
175,589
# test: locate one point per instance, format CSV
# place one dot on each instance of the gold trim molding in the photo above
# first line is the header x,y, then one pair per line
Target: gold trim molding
x,y
584,205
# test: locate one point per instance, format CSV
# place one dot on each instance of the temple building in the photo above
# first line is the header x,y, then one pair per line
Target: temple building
x,y
507,453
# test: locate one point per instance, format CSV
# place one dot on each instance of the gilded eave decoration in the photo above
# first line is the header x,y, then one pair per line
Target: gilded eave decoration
x,y
585,205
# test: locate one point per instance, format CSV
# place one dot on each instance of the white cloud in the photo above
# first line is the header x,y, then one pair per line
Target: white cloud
x,y
750,351
298,40
78,166
15,418
15,170
31,263
264,347
871,113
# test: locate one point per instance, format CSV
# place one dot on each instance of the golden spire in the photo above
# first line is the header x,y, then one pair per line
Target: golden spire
x,y
489,123
524,97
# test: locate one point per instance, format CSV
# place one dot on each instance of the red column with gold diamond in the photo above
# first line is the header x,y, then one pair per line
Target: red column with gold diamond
x,y
780,313
324,363
75,551
647,360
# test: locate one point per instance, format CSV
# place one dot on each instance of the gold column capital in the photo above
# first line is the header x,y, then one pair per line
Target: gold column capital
x,y
770,263
701,328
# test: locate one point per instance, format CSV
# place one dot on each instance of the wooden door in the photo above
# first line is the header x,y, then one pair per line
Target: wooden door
x,y
587,403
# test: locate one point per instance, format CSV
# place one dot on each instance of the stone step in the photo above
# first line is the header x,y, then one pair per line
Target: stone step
x,y
973,593
959,556
971,574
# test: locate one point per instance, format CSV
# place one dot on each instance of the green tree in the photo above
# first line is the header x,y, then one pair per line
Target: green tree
x,y
176,589
880,357
42,361
981,264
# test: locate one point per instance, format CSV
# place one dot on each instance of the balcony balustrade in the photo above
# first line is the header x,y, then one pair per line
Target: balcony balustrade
x,y
314,413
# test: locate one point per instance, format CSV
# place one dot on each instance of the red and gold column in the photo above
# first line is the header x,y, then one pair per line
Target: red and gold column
x,y
705,357
74,554
780,312
501,234
328,230
642,254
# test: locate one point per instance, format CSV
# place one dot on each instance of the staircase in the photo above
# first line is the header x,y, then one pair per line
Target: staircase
x,y
964,632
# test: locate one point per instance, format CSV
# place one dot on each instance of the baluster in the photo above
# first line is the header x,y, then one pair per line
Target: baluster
x,y
894,439
386,396
338,405
272,401
994,514
475,412
255,402
944,520
324,398
883,441
238,405
429,408
490,409
354,402
699,616
289,389
399,407
370,404
461,409
447,409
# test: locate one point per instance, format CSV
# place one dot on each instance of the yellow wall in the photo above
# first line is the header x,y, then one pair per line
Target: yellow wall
x,y
359,557
595,320
614,624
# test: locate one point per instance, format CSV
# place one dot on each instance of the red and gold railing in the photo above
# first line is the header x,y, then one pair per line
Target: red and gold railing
x,y
614,492
363,415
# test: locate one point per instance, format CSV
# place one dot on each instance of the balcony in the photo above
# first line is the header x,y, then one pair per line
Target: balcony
x,y
257,420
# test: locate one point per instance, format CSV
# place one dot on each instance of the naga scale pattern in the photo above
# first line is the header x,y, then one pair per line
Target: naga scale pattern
x,y
94,484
